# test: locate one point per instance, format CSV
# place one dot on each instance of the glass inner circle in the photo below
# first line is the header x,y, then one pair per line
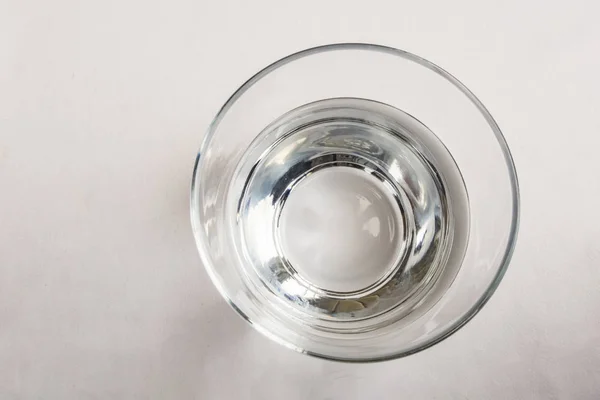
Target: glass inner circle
x,y
341,230
347,212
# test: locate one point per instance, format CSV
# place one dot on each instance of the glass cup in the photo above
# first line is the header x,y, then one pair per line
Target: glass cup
x,y
355,202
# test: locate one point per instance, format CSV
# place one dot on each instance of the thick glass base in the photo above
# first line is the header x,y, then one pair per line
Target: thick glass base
x,y
350,210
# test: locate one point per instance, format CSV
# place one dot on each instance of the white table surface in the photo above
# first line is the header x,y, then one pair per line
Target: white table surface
x,y
102,108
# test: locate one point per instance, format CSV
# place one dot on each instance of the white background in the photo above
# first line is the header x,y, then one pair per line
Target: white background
x,y
102,108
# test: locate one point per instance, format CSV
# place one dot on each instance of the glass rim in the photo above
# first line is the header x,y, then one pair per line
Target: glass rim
x,y
201,239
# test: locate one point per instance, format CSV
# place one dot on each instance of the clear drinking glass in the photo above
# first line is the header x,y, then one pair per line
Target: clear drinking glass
x,y
355,202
